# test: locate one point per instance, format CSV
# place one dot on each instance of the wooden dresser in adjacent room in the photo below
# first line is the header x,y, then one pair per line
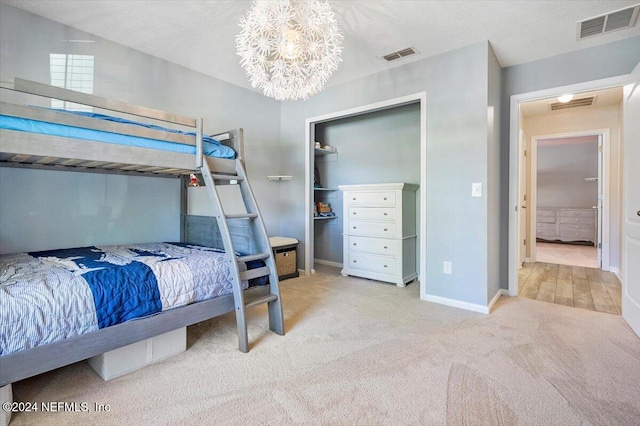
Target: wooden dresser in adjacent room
x,y
379,234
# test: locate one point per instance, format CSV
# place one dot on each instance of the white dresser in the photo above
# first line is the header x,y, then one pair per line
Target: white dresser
x,y
564,224
379,237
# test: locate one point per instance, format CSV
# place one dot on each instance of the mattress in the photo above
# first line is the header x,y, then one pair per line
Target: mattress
x,y
49,296
210,146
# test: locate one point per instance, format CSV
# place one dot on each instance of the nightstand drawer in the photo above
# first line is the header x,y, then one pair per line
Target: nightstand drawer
x,y
543,212
372,245
377,198
375,213
577,227
374,229
372,263
546,219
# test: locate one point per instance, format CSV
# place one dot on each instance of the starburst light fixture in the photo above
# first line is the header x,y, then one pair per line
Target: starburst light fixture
x,y
289,48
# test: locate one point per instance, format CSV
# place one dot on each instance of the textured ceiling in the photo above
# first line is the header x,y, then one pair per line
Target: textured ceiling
x,y
200,34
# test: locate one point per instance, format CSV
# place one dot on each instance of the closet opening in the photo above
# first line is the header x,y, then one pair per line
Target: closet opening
x,y
374,144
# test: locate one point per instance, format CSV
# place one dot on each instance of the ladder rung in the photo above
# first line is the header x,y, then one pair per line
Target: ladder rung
x,y
261,300
254,273
250,257
227,177
242,216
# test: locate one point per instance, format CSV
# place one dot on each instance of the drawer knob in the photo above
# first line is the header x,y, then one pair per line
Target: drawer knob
x,y
355,261
354,244
354,227
385,229
385,266
354,212
385,247
638,213
385,198
385,214
354,198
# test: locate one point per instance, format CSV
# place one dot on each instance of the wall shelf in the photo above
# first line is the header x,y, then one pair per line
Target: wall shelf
x,y
325,189
322,151
325,217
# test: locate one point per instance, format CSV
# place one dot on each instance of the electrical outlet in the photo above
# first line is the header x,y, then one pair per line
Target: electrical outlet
x,y
446,267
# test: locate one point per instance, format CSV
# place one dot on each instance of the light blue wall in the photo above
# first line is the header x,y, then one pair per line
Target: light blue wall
x,y
494,191
26,40
44,209
379,147
562,169
456,90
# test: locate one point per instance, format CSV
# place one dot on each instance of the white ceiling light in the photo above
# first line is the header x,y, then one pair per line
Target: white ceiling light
x,y
289,48
565,98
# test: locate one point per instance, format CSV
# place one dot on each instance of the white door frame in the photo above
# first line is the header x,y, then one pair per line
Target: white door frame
x,y
514,121
310,123
603,182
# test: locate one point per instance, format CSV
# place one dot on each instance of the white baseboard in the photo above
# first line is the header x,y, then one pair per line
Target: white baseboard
x,y
500,292
616,271
327,263
457,303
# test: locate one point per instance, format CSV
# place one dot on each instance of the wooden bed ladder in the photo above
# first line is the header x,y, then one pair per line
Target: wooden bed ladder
x,y
262,247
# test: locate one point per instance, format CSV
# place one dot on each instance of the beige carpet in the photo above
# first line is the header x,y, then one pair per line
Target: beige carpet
x,y
363,352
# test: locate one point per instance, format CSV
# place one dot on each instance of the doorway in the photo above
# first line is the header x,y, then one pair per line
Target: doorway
x,y
520,209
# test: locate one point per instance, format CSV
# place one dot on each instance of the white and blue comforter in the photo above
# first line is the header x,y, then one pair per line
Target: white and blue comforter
x,y
52,295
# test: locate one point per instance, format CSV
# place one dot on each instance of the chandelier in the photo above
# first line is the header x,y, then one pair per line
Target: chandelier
x,y
289,48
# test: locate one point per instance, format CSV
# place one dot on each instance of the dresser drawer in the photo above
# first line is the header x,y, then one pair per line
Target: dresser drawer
x,y
374,229
547,235
372,245
578,213
383,198
375,213
546,219
372,263
577,227
543,212
546,227
577,234
578,219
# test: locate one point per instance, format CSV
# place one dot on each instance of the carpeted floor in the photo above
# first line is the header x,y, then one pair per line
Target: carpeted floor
x,y
363,352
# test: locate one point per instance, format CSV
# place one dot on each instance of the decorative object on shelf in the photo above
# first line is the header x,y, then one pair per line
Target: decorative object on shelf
x,y
289,48
193,180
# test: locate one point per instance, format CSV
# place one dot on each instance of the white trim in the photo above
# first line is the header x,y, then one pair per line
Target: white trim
x,y
310,123
514,123
616,272
499,293
456,303
604,174
327,263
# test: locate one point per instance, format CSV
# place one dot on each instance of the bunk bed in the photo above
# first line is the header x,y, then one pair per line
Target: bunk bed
x,y
242,236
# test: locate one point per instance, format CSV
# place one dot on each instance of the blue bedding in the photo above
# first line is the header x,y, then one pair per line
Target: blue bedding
x,y
210,146
52,295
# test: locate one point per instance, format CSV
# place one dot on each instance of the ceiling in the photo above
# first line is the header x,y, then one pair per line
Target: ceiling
x,y
200,34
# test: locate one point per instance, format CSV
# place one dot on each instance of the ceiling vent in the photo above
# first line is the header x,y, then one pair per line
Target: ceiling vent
x,y
400,54
618,20
582,102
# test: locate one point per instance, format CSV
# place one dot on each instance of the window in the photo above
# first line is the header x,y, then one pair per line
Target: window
x,y
73,72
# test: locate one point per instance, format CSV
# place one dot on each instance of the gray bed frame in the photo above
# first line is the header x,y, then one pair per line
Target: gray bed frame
x,y
20,149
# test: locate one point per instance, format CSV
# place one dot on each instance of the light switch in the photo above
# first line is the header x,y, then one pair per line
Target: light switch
x,y
476,189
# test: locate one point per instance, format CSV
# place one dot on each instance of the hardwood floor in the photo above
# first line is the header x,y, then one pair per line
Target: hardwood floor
x,y
586,288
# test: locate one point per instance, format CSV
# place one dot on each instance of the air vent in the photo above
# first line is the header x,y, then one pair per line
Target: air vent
x,y
582,102
618,20
400,54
